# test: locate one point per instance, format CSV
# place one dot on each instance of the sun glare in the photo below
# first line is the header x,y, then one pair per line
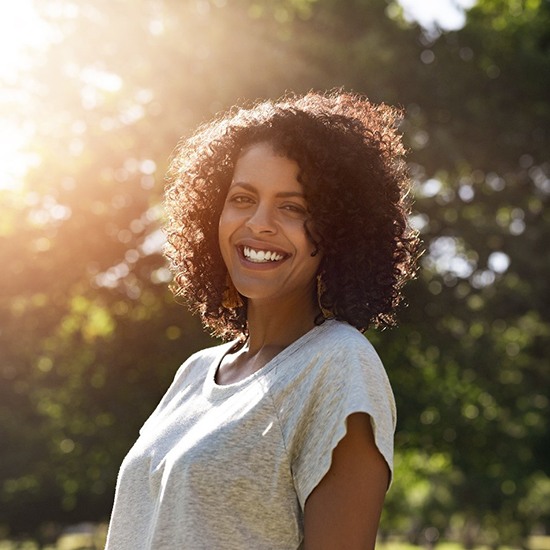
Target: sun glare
x,y
22,32
14,162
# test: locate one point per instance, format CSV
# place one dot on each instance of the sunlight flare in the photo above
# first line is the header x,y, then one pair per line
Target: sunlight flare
x,y
23,34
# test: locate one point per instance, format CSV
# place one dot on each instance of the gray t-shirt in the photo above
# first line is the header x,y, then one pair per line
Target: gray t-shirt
x,y
230,467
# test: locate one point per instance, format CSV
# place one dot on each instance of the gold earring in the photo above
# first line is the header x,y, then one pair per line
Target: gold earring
x,y
231,299
321,289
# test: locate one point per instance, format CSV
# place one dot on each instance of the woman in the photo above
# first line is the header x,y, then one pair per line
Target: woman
x,y
287,232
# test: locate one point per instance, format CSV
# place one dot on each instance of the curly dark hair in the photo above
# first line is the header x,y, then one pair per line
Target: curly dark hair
x,y
355,180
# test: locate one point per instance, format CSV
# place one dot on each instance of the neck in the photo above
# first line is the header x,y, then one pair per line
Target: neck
x,y
278,326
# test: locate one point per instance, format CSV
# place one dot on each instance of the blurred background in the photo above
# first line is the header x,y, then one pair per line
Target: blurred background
x,y
93,98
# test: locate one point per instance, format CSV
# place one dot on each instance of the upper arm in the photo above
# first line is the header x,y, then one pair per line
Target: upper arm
x,y
343,511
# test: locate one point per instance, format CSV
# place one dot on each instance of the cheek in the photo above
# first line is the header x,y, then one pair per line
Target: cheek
x,y
224,225
231,220
309,240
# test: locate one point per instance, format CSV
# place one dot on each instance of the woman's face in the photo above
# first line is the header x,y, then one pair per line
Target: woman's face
x,y
261,230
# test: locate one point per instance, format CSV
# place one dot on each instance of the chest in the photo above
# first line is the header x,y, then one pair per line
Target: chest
x,y
214,473
202,443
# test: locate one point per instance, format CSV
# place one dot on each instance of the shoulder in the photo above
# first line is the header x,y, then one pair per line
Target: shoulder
x,y
340,334
188,379
339,349
202,358
210,352
336,359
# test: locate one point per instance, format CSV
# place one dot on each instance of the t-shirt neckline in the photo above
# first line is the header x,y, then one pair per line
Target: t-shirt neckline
x,y
213,390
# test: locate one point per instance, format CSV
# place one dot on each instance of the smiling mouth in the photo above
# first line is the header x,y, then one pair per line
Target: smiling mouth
x,y
261,256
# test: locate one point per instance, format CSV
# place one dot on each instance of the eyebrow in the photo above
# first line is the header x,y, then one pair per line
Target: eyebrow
x,y
283,194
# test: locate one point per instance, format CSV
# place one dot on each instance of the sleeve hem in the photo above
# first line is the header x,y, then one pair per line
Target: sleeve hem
x,y
319,471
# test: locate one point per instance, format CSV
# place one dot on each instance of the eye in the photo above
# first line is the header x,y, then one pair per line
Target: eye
x,y
294,209
240,200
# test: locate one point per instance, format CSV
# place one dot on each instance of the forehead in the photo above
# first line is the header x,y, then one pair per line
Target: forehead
x,y
260,165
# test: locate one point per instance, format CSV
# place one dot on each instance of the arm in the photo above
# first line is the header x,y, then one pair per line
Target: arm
x,y
343,511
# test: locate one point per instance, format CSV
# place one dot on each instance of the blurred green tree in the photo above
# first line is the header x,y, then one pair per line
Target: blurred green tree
x,y
470,364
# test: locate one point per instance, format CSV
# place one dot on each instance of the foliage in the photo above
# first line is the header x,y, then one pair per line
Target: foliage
x,y
480,350
90,337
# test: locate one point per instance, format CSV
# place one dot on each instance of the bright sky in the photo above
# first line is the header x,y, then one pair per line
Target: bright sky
x,y
22,30
446,14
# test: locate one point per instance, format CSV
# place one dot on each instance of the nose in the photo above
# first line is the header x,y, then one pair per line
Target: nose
x,y
262,220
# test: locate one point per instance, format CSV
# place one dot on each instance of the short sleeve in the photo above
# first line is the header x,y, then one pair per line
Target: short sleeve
x,y
350,379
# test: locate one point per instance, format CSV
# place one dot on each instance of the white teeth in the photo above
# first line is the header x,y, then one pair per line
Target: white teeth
x,y
261,256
